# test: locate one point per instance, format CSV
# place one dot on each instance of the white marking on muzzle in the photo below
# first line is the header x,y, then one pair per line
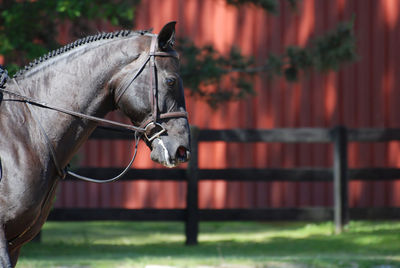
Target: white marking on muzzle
x,y
166,154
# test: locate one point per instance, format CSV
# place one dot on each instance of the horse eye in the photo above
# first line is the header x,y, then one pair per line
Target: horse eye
x,y
170,81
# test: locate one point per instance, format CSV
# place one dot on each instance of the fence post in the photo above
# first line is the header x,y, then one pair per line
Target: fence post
x,y
192,213
340,178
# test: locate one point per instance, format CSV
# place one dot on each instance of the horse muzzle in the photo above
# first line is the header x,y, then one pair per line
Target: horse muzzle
x,y
169,154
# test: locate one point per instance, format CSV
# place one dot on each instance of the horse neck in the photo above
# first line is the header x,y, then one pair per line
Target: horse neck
x,y
76,81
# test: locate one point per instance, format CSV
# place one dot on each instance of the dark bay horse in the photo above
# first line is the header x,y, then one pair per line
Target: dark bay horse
x,y
135,72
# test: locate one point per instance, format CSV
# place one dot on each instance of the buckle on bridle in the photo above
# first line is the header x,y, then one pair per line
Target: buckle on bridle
x,y
153,130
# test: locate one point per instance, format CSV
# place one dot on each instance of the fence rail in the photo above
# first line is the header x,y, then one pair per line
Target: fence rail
x,y
340,174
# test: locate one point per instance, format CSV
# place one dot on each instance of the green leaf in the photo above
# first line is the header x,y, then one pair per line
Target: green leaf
x,y
205,71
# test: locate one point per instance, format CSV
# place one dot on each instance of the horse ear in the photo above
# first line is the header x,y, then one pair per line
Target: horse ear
x,y
166,37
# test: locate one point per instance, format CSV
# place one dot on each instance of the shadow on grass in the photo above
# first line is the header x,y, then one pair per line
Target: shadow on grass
x,y
228,242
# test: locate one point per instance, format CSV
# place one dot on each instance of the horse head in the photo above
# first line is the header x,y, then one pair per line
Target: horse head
x,y
80,83
149,91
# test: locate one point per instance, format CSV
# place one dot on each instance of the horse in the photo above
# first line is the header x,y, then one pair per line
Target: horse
x,y
52,106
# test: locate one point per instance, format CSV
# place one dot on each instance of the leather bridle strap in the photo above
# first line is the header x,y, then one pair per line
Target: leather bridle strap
x,y
67,111
63,171
127,85
156,116
154,85
84,178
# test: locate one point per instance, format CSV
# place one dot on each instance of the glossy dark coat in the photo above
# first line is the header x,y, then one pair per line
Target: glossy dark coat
x,y
84,78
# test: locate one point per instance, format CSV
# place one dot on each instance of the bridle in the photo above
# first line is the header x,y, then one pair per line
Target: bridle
x,y
150,129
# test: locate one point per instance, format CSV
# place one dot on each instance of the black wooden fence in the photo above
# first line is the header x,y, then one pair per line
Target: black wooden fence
x,y
192,215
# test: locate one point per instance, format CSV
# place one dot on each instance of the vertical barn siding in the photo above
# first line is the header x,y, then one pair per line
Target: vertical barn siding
x,y
364,94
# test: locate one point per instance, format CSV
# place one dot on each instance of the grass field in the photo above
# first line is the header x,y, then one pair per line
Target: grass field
x,y
228,244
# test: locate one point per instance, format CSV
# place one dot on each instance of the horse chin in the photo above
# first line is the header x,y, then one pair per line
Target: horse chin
x,y
160,154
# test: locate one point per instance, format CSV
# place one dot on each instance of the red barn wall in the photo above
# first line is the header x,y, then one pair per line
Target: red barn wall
x,y
363,94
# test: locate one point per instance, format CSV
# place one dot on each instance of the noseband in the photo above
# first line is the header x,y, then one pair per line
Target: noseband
x,y
152,128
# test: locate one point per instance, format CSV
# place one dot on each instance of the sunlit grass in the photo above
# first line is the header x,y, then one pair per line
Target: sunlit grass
x,y
137,244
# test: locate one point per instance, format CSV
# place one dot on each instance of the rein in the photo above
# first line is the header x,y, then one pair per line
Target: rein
x,y
151,129
70,112
62,172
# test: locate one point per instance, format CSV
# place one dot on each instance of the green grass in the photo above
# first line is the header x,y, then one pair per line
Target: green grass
x,y
137,244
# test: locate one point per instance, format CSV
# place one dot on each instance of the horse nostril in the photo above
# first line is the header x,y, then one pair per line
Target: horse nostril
x,y
182,153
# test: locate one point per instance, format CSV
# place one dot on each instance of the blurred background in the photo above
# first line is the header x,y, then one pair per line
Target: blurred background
x,y
268,65
245,64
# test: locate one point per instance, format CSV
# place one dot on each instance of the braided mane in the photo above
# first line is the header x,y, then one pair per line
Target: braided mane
x,y
3,77
77,43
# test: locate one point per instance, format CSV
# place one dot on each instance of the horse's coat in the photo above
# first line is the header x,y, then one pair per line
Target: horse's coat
x,y
84,77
